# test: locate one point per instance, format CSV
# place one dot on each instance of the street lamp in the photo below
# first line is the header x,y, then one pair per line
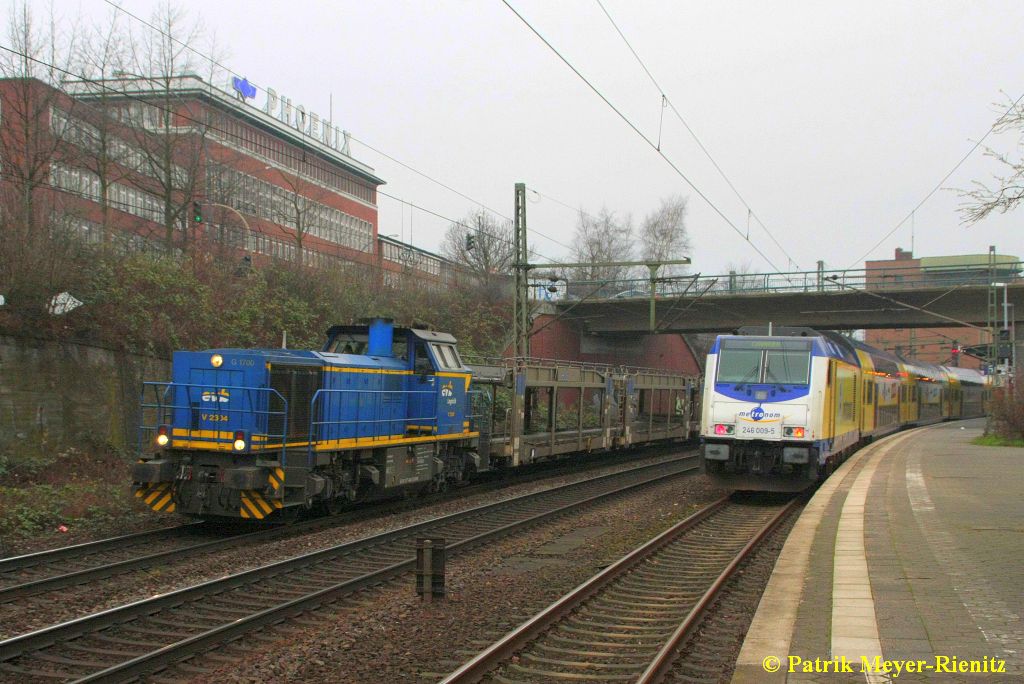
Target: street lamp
x,y
248,230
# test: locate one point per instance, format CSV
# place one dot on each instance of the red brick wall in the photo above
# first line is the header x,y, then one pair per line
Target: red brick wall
x,y
559,339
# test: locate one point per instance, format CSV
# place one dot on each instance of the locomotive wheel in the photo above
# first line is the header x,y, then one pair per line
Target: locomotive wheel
x,y
289,515
329,506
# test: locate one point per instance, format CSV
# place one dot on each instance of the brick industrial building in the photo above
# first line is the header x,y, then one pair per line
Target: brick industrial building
x,y
938,345
136,161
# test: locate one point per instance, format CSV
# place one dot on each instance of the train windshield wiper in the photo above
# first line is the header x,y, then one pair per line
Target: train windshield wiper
x,y
749,375
769,376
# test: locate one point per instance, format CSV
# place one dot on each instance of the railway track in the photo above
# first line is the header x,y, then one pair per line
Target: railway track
x,y
145,636
53,570
627,622
44,571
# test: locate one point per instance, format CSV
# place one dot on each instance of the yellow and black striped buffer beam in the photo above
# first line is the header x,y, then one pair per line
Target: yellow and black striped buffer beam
x,y
157,496
255,506
276,479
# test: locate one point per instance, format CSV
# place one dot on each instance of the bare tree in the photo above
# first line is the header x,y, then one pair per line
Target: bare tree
x,y
663,235
1007,191
740,278
169,132
485,247
601,239
298,205
32,210
102,53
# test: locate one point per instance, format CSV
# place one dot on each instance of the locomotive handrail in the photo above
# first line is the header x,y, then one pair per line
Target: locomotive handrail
x,y
315,425
475,397
162,407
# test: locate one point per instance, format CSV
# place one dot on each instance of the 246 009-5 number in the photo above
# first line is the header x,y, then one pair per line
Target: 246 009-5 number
x,y
757,430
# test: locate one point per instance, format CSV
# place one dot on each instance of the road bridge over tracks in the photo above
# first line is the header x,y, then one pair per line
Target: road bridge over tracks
x,y
835,300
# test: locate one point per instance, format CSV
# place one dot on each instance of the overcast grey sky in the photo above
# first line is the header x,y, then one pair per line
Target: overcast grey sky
x,y
833,120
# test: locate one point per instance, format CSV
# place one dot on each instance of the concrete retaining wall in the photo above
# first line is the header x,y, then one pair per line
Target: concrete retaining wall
x,y
61,393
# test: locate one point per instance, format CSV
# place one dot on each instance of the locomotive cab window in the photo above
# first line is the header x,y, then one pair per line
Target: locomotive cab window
x,y
772,361
400,349
349,343
446,356
421,358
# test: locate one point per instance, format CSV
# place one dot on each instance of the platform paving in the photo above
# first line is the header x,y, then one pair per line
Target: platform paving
x,y
912,552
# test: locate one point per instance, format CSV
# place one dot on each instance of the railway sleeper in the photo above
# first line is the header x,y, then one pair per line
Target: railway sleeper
x,y
579,653
124,642
44,674
548,674
587,665
599,644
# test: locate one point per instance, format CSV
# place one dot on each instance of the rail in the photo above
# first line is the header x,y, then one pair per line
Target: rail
x,y
585,657
182,622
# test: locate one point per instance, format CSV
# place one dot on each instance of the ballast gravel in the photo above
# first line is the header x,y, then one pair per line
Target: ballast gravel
x,y
390,635
51,608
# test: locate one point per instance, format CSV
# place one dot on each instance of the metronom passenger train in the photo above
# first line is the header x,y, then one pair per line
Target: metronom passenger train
x,y
782,409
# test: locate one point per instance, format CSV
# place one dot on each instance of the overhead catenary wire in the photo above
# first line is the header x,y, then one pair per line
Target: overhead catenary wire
x,y
938,186
665,100
365,144
640,133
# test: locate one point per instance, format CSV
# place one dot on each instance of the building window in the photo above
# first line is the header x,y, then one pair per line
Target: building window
x,y
273,203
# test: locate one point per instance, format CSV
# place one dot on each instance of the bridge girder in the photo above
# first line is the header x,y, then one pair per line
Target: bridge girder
x,y
846,309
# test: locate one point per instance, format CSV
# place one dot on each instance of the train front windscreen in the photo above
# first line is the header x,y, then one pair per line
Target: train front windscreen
x,y
764,361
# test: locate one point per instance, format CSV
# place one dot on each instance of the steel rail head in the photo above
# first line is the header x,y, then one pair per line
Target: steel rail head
x,y
662,662
29,559
8,594
485,661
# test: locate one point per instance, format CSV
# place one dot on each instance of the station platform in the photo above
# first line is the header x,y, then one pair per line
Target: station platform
x,y
906,565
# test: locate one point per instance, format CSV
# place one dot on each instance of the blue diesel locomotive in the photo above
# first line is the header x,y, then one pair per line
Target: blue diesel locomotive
x,y
265,434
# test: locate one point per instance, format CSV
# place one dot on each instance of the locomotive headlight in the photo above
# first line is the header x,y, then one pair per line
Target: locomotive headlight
x,y
216,360
162,436
724,428
239,441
